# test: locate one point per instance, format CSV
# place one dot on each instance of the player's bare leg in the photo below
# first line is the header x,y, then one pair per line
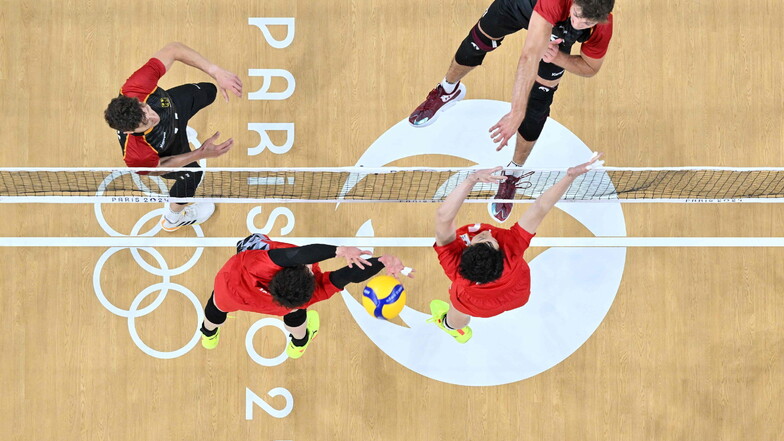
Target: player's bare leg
x,y
456,319
299,331
523,149
210,326
456,72
450,90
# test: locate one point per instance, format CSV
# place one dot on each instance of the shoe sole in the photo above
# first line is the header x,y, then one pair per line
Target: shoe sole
x,y
493,213
171,230
446,106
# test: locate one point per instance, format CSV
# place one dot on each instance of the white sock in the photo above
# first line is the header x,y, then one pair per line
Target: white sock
x,y
516,173
447,86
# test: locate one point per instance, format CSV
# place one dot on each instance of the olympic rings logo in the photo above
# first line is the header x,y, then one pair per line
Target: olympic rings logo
x,y
163,270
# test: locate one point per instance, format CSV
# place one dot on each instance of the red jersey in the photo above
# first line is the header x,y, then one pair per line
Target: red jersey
x,y
145,149
556,11
241,285
510,291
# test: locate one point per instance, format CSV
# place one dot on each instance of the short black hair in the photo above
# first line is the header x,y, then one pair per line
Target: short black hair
x,y
292,286
595,10
481,263
124,114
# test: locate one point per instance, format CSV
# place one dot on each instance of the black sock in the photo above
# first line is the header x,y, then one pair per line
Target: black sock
x,y
208,333
300,341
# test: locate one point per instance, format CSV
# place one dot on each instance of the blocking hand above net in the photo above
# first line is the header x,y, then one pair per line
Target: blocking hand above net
x,y
484,262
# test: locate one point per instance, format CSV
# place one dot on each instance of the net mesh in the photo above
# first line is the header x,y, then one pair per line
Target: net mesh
x,y
399,184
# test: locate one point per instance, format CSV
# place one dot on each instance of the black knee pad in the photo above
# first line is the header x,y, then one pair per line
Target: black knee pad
x,y
212,313
473,49
550,71
296,318
537,111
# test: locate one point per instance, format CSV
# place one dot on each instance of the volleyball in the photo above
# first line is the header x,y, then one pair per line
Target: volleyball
x,y
384,297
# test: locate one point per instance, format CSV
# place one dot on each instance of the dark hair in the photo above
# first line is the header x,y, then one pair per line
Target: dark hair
x,y
595,10
292,286
481,263
124,113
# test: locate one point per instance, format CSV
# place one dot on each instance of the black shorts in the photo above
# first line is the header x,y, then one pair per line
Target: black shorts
x,y
188,100
505,17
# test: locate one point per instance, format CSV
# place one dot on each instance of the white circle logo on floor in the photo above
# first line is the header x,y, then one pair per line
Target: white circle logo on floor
x,y
572,289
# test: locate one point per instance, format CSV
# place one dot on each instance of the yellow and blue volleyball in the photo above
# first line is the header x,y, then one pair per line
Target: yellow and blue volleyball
x,y
384,297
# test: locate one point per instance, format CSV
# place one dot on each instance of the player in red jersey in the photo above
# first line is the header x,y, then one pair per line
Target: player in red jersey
x,y
151,126
554,26
485,263
277,278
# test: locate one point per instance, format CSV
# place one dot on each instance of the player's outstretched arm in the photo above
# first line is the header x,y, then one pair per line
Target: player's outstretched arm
x,y
532,217
353,256
395,267
346,275
536,40
447,211
314,253
208,149
175,51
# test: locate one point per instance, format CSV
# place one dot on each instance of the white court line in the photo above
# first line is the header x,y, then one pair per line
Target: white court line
x,y
66,199
190,242
271,181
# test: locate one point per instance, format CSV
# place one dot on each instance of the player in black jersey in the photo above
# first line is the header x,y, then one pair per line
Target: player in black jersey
x,y
554,26
152,123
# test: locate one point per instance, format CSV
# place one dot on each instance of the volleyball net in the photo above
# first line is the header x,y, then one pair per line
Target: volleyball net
x,y
404,184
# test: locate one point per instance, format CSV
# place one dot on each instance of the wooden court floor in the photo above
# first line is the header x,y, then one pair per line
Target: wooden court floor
x,y
692,347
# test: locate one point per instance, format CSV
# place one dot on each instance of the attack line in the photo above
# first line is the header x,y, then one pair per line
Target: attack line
x,y
191,242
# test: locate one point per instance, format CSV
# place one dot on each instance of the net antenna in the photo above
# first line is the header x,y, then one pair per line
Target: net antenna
x,y
387,184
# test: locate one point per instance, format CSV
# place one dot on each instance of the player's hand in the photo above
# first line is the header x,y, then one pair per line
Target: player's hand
x,y
394,266
505,129
594,163
552,51
211,150
487,175
228,82
353,256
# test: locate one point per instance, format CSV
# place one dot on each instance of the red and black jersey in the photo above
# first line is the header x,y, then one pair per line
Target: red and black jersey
x,y
146,149
595,40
